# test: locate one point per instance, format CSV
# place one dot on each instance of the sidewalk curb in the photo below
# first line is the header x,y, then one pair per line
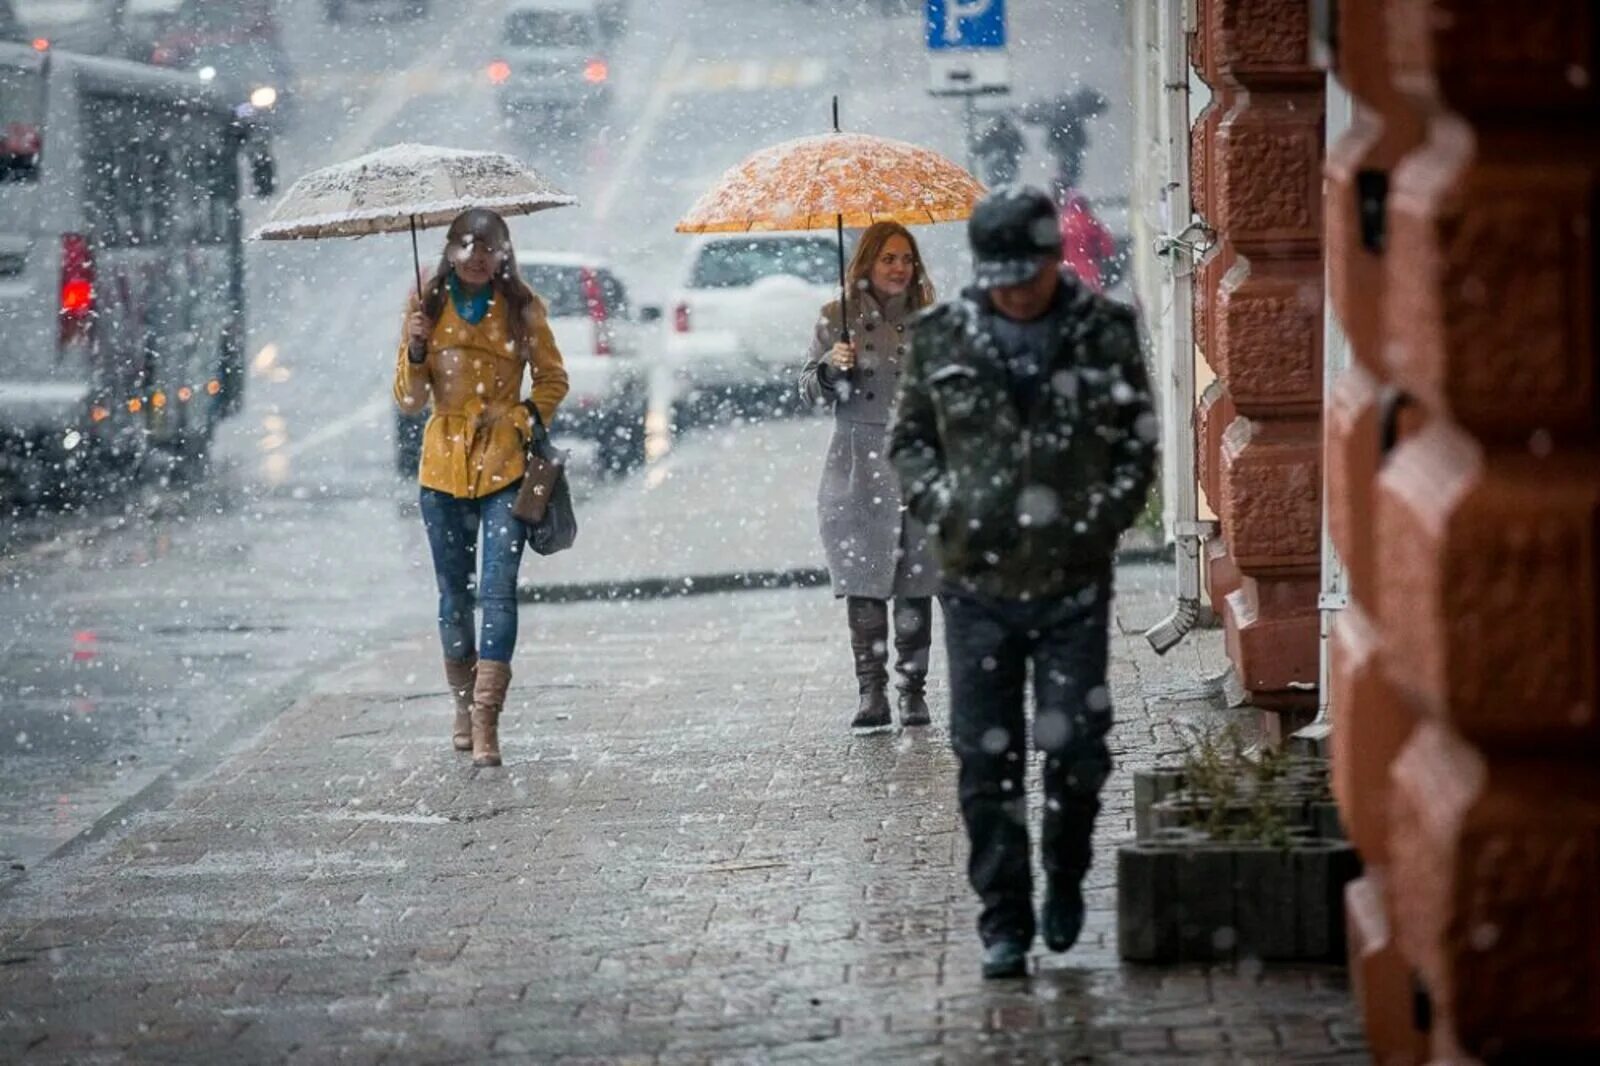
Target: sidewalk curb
x,y
660,588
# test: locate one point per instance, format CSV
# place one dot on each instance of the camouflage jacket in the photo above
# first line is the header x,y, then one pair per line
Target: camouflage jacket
x,y
1026,504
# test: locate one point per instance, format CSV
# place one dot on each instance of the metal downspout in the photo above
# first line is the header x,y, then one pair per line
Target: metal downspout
x,y
1182,244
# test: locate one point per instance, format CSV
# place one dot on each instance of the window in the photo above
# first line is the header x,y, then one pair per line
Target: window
x,y
736,264
548,29
561,287
616,295
157,174
21,123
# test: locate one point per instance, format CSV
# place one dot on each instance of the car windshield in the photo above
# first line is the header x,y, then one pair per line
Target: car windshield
x,y
548,29
734,264
21,112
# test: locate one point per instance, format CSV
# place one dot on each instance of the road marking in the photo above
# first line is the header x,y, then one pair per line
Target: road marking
x,y
644,130
341,427
751,75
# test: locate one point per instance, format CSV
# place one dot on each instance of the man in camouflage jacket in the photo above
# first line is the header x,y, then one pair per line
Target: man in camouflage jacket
x,y
1026,441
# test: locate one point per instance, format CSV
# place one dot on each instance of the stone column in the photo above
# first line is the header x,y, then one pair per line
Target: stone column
x,y
1487,527
1258,319
1370,722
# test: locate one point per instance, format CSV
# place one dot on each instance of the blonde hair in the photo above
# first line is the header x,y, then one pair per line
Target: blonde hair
x,y
858,274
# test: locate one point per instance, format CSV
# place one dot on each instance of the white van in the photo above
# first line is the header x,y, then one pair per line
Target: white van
x,y
121,268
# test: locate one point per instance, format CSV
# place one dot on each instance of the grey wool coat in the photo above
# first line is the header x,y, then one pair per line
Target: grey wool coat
x,y
874,546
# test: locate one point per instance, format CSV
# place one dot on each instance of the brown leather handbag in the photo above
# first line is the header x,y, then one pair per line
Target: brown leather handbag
x,y
544,502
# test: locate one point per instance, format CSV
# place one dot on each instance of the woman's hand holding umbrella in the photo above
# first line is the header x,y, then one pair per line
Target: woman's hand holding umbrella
x,y
419,327
843,356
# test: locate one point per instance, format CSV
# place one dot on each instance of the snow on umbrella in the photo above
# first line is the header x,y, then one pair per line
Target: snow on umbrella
x,y
406,187
832,181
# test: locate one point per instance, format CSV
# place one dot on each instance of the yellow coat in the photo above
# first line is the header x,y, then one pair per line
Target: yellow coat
x,y
473,443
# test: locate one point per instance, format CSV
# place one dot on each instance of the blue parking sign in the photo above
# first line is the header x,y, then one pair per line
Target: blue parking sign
x,y
965,24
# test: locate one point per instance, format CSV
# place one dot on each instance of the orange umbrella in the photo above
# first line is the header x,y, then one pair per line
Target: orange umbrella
x,y
823,181
832,181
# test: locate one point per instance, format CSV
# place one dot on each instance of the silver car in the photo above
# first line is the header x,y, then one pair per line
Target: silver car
x,y
553,61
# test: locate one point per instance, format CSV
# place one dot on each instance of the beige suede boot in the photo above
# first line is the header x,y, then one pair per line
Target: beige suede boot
x,y
488,696
461,675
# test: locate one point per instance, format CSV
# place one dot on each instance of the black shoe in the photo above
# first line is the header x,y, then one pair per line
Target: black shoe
x,y
1005,958
1063,916
873,715
913,709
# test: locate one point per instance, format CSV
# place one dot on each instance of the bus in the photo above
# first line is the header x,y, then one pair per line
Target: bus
x,y
122,309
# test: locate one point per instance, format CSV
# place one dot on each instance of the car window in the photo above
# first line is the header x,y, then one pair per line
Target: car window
x,y
615,293
735,264
560,286
548,29
21,123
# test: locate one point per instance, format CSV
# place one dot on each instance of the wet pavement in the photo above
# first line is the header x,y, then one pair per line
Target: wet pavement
x,y
230,823
687,858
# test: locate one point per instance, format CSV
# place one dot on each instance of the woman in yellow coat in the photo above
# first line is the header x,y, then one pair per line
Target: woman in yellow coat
x,y
467,342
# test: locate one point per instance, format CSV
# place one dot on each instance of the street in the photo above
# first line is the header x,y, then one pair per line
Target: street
x,y
230,824
138,628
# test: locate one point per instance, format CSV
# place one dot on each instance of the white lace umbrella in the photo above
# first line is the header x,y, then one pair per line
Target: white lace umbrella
x,y
406,187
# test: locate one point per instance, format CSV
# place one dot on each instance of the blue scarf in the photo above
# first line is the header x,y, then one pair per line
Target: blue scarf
x,y
471,309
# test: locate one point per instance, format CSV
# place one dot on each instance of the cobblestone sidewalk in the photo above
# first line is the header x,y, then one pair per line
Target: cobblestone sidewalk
x,y
686,859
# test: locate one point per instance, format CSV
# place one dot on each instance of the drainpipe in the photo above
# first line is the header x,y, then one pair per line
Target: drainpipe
x,y
1335,592
1181,246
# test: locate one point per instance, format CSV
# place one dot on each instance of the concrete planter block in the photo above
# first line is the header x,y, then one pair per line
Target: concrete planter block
x,y
1264,902
1182,898
1325,821
1147,881
1203,906
1322,869
1150,787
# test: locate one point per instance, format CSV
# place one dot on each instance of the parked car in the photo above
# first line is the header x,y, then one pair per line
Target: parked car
x,y
743,315
341,10
553,62
121,263
605,345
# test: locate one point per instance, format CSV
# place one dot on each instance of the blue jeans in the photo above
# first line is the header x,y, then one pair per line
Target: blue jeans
x,y
453,523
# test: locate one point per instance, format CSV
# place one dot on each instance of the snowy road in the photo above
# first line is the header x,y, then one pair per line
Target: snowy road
x,y
137,640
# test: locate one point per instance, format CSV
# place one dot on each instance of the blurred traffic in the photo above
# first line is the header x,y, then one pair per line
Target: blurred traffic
x,y
632,108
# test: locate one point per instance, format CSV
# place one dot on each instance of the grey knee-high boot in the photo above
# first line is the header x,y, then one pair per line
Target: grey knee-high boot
x,y
869,644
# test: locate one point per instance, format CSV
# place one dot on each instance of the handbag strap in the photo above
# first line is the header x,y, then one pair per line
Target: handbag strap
x,y
539,430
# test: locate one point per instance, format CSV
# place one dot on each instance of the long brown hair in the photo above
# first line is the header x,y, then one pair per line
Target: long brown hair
x,y
919,293
484,225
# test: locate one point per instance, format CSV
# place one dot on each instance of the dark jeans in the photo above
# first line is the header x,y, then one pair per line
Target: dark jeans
x,y
990,643
453,523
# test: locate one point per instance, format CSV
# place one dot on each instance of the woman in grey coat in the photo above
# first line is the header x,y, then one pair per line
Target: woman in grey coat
x,y
876,551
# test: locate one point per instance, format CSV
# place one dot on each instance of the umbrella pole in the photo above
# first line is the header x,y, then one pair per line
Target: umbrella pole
x,y
844,294
844,290
416,258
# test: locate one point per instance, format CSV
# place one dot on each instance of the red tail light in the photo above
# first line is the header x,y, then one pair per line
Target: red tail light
x,y
680,318
77,288
594,296
596,71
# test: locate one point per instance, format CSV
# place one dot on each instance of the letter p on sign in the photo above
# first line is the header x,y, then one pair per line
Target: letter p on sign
x,y
965,24
957,10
